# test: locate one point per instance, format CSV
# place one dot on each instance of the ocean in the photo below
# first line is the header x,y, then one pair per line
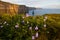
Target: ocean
x,y
45,11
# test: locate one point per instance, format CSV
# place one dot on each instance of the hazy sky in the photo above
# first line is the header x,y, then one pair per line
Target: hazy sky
x,y
37,3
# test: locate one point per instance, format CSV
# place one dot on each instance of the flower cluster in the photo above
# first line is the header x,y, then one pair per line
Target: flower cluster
x,y
36,28
17,25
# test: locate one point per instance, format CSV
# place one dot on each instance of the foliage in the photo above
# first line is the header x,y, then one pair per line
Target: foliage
x,y
8,31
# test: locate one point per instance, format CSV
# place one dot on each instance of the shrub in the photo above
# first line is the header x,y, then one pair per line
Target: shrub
x,y
17,28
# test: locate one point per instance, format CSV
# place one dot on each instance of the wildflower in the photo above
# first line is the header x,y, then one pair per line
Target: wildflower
x,y
36,28
30,28
16,26
5,22
44,20
27,15
46,17
33,37
44,25
1,26
47,31
36,35
23,21
27,22
23,17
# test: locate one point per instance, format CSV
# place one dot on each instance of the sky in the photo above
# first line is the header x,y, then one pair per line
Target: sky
x,y
37,3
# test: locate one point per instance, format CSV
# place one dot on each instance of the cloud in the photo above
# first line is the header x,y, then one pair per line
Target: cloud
x,y
53,6
37,3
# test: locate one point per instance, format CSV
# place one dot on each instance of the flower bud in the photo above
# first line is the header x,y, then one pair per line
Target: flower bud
x,y
33,37
36,35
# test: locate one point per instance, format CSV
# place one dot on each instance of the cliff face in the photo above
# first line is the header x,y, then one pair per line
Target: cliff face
x,y
12,8
23,9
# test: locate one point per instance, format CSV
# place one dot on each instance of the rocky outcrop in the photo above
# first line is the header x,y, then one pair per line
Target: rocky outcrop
x,y
32,8
23,9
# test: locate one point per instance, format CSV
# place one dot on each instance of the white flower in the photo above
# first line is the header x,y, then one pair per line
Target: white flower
x,y
27,15
36,34
27,22
44,20
47,31
44,25
46,17
30,28
23,21
5,22
36,28
23,17
16,26
1,26
33,37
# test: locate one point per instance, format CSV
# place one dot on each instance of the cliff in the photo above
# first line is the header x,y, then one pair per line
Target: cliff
x,y
12,8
